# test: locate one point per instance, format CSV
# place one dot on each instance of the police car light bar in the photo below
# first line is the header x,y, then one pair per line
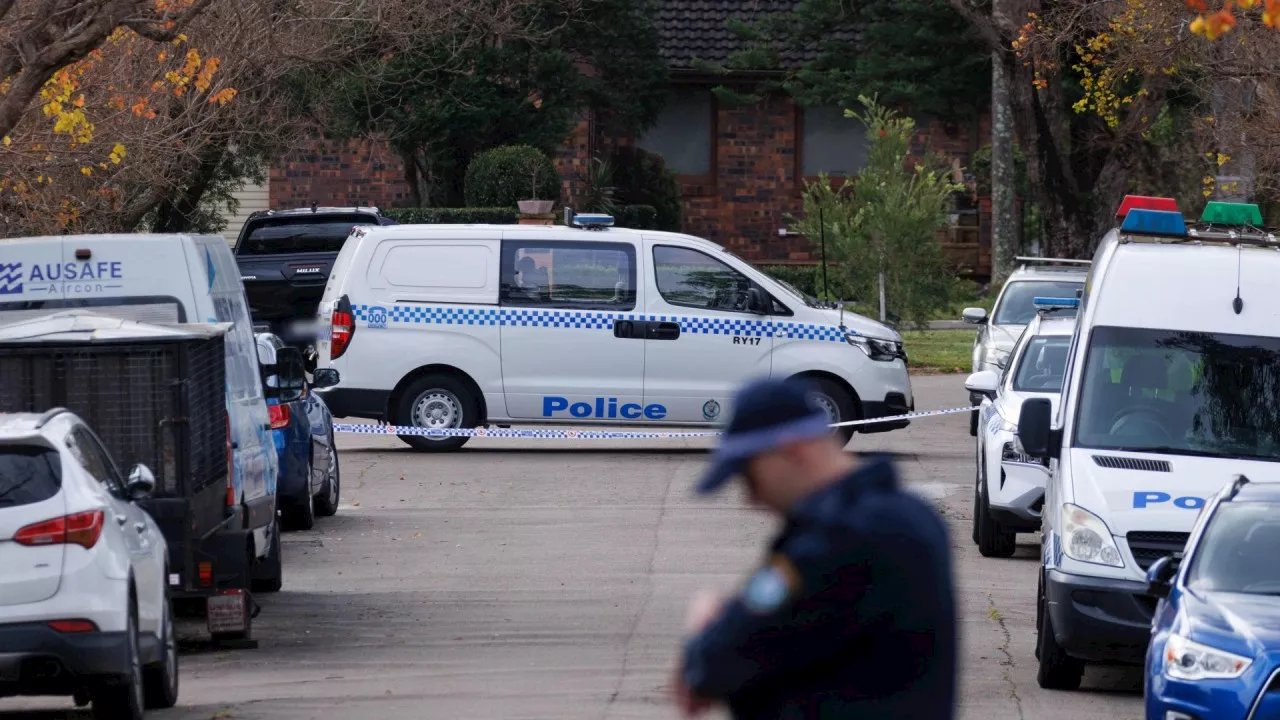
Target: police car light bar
x,y
1154,222
593,222
1048,303
1144,202
1225,213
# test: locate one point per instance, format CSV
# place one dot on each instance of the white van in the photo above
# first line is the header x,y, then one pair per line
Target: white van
x,y
1172,389
159,279
448,326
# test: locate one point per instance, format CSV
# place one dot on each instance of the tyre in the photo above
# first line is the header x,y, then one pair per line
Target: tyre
x,y
973,423
1057,670
437,402
977,496
327,501
993,539
123,699
160,681
837,403
268,576
301,514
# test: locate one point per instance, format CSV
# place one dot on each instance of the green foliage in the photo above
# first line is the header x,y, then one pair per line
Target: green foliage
x,y
637,217
918,53
886,222
503,176
443,102
805,278
597,188
981,168
455,216
642,178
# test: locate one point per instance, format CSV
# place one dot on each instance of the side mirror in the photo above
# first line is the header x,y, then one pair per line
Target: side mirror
x,y
974,315
290,374
1160,576
1034,428
984,383
756,301
325,377
141,483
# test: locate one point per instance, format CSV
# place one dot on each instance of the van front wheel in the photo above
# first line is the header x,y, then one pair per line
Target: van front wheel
x,y
837,404
437,402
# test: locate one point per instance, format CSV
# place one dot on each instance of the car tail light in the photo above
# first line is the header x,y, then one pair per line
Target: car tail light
x,y
81,529
205,572
279,416
231,467
73,626
342,328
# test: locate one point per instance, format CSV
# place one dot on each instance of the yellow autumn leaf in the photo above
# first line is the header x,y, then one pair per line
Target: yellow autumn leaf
x,y
8,141
86,171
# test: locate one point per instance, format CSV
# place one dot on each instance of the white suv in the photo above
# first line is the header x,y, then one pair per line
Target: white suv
x,y
83,603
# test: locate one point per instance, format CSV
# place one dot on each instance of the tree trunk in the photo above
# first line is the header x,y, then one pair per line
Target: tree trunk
x,y
1004,237
176,212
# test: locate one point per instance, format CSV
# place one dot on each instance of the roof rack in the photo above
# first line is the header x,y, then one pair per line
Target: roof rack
x,y
1051,261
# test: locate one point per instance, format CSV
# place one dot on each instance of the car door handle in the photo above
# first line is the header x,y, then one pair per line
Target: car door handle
x,y
140,527
121,520
663,331
629,329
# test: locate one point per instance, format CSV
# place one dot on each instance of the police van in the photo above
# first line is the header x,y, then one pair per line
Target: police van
x,y
1172,389
163,279
450,326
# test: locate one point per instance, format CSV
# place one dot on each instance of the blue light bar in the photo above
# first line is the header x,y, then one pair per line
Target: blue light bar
x,y
1048,303
1154,222
590,220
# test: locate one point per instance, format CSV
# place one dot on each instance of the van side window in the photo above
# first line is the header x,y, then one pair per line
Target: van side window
x,y
574,275
694,279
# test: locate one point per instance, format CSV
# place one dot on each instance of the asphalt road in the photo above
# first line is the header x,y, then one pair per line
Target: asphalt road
x,y
550,580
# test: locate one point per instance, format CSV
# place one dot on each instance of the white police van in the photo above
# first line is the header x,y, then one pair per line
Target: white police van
x,y
1172,389
160,279
442,326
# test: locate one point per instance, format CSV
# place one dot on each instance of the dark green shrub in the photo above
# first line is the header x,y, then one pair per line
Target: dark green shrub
x,y
642,178
455,216
503,176
638,217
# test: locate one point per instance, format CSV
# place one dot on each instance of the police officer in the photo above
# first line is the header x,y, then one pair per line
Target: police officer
x,y
852,613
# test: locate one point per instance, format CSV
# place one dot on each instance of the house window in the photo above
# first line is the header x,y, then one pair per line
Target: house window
x,y
833,143
682,135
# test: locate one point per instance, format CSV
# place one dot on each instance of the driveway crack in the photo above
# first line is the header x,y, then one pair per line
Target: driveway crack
x,y
1008,662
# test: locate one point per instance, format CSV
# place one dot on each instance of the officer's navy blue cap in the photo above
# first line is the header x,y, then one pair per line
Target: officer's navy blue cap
x,y
767,414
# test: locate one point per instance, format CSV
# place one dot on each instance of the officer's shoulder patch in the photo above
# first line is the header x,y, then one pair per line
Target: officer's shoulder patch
x,y
772,586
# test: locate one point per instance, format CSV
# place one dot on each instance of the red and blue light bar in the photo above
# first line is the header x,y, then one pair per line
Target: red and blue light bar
x,y
1144,202
1151,216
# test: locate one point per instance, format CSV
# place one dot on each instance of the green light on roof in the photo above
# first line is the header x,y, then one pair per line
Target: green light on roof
x,y
1225,213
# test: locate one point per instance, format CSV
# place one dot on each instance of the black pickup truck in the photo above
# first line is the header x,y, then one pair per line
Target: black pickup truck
x,y
285,257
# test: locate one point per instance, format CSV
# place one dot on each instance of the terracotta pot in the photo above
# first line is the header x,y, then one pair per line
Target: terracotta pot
x,y
536,207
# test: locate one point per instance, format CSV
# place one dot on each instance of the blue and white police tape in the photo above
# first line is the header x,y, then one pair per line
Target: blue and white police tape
x,y
549,434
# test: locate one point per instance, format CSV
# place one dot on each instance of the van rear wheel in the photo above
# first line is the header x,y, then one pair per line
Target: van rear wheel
x,y
437,402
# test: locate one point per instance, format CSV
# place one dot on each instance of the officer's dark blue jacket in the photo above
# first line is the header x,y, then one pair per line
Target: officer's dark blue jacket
x,y
853,614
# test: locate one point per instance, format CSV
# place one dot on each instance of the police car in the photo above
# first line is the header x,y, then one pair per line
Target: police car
x,y
1171,391
999,331
1009,485
447,326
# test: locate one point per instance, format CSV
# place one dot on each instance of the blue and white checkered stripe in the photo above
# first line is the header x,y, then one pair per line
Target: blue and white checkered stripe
x,y
589,320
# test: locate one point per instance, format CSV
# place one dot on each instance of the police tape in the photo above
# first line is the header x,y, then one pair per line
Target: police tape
x,y
522,434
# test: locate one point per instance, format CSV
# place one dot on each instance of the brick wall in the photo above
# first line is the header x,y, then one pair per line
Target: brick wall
x,y
339,173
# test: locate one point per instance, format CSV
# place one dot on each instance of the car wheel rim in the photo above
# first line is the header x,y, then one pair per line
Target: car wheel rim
x,y
333,475
437,409
828,406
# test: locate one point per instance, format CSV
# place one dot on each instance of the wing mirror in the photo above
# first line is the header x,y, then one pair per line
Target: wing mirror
x,y
974,315
756,301
325,377
286,380
1035,429
1160,576
141,483
984,383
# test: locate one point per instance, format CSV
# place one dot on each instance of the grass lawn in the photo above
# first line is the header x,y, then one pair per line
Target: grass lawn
x,y
939,351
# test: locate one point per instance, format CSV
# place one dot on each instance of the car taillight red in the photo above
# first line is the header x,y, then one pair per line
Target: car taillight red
x,y
343,323
81,529
73,626
279,416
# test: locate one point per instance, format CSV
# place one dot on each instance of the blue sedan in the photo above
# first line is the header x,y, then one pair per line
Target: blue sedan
x,y
1215,644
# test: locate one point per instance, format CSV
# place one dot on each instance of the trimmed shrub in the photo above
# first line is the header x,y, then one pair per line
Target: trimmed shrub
x,y
455,216
503,176
642,178
637,217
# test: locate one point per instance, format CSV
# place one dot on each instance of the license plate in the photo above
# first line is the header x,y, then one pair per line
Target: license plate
x,y
226,613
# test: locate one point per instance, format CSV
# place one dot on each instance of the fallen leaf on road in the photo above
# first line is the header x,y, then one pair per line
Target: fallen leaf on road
x,y
417,535
355,504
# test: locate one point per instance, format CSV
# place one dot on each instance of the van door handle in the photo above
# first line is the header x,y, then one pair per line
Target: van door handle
x,y
663,331
629,329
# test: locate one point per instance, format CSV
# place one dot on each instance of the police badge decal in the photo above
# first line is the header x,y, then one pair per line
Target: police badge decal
x,y
711,410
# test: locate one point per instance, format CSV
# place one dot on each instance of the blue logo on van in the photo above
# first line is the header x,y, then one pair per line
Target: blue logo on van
x,y
377,317
602,408
10,278
1147,499
83,276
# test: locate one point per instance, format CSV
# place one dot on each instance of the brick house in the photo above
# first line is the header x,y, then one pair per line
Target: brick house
x,y
742,168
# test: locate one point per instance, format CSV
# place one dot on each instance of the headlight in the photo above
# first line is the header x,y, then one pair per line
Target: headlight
x,y
882,350
1188,660
1087,539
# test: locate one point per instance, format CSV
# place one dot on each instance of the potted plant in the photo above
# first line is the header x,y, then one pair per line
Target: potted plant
x,y
535,206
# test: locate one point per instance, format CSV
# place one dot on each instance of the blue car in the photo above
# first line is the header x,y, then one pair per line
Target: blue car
x,y
302,429
1215,644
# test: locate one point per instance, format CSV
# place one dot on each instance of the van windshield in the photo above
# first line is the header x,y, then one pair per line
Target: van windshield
x,y
1182,393
1017,303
